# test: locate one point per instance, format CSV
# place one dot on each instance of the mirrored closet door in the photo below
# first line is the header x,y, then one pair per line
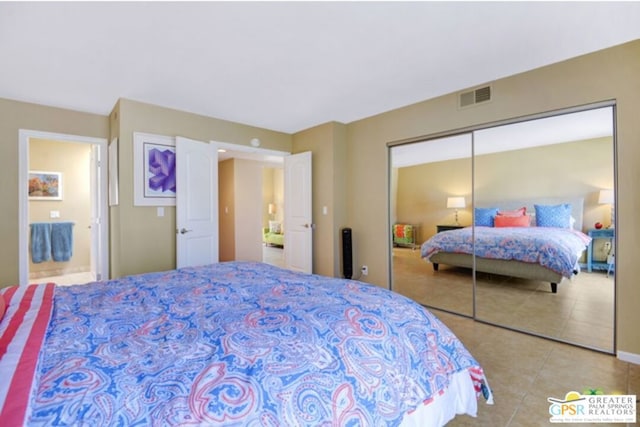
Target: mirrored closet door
x,y
548,175
551,177
430,194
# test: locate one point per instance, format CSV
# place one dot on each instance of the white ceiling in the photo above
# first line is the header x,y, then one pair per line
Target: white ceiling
x,y
578,126
287,66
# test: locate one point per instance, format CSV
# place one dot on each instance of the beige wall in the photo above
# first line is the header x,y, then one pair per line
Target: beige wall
x,y
144,242
20,115
272,192
248,209
226,211
422,190
611,74
74,161
327,142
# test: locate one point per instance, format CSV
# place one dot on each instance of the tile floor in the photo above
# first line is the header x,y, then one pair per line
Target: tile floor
x,y
273,255
523,371
67,279
581,311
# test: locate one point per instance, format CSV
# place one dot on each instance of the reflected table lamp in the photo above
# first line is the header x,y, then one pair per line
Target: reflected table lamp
x,y
605,197
456,203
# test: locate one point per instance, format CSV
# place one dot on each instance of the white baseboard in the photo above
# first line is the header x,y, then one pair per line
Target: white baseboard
x,y
629,357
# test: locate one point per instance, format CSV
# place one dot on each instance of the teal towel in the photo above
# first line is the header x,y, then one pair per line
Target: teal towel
x,y
40,242
61,241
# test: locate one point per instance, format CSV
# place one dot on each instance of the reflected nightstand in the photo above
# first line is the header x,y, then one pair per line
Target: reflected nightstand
x,y
603,233
440,228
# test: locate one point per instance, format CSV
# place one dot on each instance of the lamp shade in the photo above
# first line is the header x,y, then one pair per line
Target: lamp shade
x,y
456,202
605,197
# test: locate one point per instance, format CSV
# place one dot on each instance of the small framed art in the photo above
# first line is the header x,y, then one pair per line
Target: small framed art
x,y
45,185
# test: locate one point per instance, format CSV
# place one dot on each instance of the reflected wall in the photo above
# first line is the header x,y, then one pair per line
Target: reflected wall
x,y
573,172
545,161
419,194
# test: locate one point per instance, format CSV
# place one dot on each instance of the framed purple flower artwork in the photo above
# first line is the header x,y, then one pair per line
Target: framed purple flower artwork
x,y
154,170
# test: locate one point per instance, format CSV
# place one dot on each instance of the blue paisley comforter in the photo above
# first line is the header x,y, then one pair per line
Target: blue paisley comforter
x,y
557,249
240,344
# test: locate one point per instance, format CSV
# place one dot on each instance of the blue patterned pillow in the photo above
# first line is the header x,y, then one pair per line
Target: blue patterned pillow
x,y
483,217
553,215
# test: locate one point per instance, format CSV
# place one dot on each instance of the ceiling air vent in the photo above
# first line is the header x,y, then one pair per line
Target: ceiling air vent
x,y
476,96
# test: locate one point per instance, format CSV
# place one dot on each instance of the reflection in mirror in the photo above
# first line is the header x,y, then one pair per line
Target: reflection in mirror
x,y
430,193
555,168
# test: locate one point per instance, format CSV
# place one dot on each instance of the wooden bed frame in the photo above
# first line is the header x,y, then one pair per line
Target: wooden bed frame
x,y
522,270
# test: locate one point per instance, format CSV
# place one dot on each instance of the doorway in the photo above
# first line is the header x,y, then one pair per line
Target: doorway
x,y
250,180
272,232
62,193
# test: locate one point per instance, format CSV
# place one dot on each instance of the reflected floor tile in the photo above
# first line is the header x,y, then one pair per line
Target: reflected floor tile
x,y
581,311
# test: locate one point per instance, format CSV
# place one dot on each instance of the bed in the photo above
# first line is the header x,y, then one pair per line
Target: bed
x,y
517,247
234,343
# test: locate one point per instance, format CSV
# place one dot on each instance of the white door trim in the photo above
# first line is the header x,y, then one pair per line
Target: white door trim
x,y
246,149
24,135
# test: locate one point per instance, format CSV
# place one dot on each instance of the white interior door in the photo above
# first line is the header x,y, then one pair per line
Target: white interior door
x,y
196,203
94,255
298,221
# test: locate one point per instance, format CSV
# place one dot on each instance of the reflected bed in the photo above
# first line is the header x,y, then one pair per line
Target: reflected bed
x,y
535,253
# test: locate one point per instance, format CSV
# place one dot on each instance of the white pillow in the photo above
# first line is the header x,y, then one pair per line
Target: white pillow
x,y
275,227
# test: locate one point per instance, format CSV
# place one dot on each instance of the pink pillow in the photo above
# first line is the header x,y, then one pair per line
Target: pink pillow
x,y
512,221
517,212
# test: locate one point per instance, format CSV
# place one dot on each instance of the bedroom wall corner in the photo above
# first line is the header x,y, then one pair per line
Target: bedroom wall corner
x,y
114,210
326,142
609,74
339,193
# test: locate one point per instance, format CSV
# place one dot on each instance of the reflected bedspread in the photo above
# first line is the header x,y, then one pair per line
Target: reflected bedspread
x,y
557,249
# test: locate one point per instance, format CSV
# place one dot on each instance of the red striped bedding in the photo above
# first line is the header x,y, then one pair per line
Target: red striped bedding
x,y
22,331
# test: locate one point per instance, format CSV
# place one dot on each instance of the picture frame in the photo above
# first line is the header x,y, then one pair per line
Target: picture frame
x,y
44,185
154,172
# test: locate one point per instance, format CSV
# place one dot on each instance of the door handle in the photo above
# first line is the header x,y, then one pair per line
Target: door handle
x,y
184,230
311,226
